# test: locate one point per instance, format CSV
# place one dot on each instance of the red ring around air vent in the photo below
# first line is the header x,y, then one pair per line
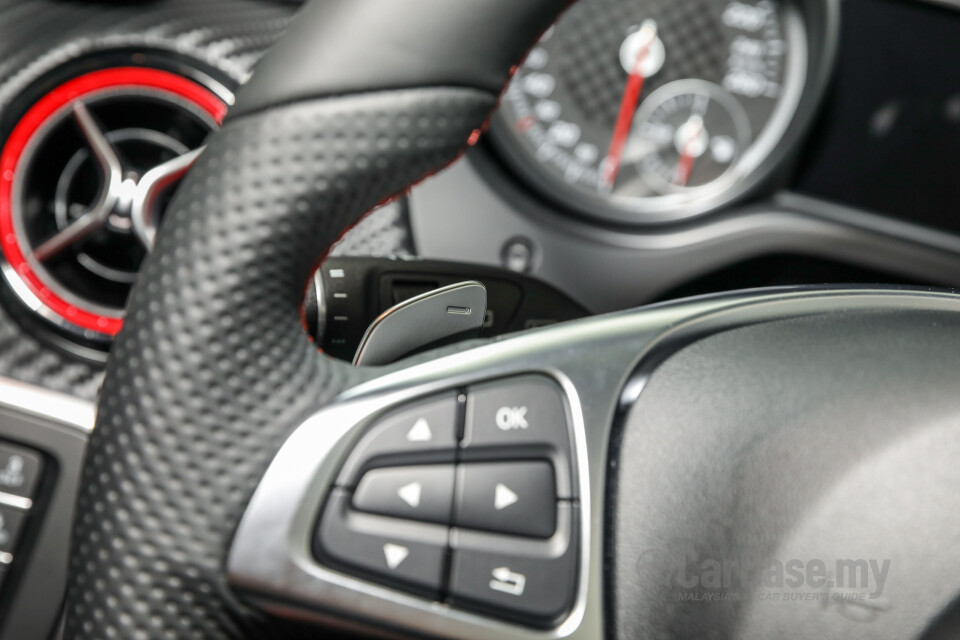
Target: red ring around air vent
x,y
33,122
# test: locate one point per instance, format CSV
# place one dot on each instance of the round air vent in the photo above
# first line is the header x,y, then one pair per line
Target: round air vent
x,y
83,177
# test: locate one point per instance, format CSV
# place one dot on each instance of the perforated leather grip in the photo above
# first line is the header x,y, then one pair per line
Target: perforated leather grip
x,y
213,368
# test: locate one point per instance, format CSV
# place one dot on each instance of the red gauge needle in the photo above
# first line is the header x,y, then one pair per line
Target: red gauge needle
x,y
628,106
687,151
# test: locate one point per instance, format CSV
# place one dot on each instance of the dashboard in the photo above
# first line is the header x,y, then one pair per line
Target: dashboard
x,y
889,127
643,151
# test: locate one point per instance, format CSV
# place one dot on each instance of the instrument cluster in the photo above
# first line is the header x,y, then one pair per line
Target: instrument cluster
x,y
653,111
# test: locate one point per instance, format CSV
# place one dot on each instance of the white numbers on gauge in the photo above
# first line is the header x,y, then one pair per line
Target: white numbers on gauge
x,y
564,134
539,84
537,59
739,15
723,149
547,110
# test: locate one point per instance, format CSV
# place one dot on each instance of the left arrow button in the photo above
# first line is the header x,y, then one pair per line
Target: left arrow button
x,y
410,493
422,492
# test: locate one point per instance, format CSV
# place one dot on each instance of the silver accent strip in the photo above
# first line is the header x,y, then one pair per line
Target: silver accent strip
x,y
50,405
592,359
153,183
16,502
321,305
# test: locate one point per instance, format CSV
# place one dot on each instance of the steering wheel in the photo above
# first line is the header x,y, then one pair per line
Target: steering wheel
x,y
814,431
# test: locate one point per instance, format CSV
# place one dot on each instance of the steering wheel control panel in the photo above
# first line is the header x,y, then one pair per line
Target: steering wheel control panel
x,y
467,497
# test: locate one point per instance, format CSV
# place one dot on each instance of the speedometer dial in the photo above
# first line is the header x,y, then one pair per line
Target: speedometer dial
x,y
646,111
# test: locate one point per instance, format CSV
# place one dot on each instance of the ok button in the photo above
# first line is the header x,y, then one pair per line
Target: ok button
x,y
511,418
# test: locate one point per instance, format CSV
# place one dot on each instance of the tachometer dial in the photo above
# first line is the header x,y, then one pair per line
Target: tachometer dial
x,y
654,110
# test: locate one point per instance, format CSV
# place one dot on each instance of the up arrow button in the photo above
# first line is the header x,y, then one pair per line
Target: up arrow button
x,y
427,426
420,431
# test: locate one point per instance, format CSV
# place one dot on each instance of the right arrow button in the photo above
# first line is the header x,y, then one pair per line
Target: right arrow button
x,y
507,497
503,497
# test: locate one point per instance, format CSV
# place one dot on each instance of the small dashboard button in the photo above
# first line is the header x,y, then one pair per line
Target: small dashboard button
x,y
19,471
11,523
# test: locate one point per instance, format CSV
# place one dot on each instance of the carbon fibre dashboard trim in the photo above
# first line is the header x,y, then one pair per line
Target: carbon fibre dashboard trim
x,y
225,36
30,359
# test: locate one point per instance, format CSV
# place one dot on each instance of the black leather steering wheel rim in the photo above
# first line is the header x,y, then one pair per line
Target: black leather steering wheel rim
x,y
213,368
